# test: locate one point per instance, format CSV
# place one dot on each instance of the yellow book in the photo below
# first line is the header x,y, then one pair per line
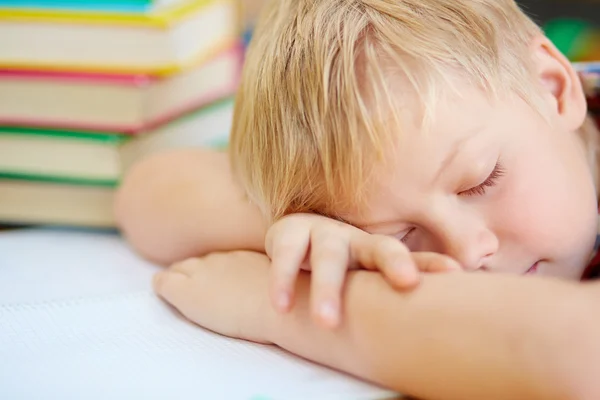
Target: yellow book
x,y
30,202
157,43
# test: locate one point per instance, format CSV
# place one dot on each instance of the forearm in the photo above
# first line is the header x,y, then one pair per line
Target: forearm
x,y
185,203
458,336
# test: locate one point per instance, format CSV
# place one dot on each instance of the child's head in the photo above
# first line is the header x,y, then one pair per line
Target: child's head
x,y
450,124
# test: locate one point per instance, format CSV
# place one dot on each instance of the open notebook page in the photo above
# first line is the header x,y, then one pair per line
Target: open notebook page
x,y
78,320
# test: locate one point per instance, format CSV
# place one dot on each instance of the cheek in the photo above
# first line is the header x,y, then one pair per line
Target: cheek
x,y
524,215
549,205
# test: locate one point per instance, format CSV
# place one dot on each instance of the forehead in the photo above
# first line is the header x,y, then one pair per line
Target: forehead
x,y
424,103
422,128
469,123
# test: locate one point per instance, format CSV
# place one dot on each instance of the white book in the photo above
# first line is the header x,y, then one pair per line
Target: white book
x,y
75,40
78,320
31,202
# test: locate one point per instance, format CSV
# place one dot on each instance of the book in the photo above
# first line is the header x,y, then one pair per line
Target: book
x,y
160,43
60,156
132,6
114,103
209,128
31,202
100,159
79,321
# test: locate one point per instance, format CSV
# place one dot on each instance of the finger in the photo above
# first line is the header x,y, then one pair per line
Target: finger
x,y
329,258
168,284
175,285
388,255
289,249
435,262
182,287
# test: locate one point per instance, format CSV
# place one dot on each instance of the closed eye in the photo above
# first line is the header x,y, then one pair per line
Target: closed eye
x,y
405,236
491,181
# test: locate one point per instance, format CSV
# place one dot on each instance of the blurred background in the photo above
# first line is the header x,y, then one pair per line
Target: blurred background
x,y
546,10
573,25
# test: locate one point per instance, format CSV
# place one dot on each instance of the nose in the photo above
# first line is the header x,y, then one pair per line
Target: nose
x,y
468,241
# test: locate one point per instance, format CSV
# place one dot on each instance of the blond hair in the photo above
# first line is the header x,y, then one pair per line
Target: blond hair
x,y
310,116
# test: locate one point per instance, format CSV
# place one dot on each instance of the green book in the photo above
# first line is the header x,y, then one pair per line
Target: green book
x,y
100,159
49,155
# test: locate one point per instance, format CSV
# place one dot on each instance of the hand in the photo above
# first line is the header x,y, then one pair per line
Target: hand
x,y
328,248
226,293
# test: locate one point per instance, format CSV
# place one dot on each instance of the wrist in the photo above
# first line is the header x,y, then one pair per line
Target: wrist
x,y
297,332
284,329
270,321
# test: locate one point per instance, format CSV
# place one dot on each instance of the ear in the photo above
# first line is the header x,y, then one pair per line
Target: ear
x,y
561,84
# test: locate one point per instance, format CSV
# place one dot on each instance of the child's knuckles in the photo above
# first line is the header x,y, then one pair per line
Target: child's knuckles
x,y
280,228
329,236
291,233
169,283
388,245
188,267
295,221
286,244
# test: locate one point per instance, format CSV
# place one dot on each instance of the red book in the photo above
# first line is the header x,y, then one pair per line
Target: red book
x,y
114,103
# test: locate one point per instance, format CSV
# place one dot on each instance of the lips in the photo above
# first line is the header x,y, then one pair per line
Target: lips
x,y
533,269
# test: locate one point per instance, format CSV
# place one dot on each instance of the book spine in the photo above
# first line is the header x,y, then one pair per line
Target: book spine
x,y
127,6
102,78
160,20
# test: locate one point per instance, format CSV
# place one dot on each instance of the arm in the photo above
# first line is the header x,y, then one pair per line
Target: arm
x,y
459,336
185,203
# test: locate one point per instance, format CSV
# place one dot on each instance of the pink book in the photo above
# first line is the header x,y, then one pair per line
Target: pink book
x,y
114,103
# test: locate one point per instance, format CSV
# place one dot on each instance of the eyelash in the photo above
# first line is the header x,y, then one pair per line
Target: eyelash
x,y
478,190
491,181
404,238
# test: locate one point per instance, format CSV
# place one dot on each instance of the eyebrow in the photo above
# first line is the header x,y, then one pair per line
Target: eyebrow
x,y
454,152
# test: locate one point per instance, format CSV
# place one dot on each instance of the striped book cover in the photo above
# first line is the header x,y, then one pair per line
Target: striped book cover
x,y
160,43
128,6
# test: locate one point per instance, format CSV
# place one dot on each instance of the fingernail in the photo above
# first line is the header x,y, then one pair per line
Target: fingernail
x,y
453,265
329,311
407,271
283,301
157,281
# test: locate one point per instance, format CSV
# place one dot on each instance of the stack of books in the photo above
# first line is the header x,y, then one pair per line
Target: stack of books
x,y
89,87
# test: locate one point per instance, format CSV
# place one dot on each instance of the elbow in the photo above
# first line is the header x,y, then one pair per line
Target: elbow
x,y
146,215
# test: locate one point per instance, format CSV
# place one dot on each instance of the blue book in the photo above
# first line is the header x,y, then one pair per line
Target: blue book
x,y
128,6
